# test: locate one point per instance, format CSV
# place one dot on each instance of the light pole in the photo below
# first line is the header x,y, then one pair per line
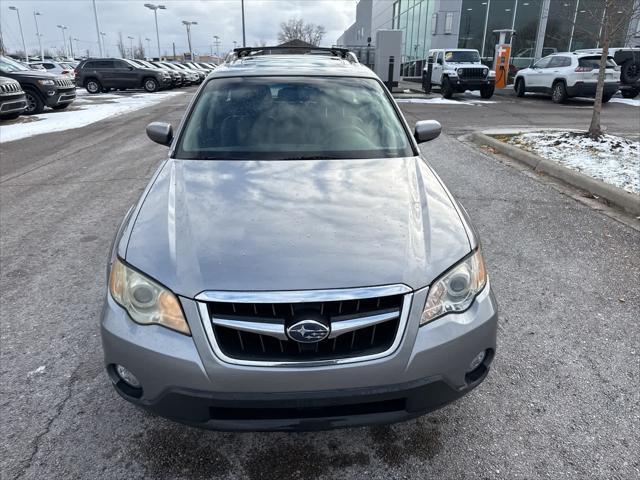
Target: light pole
x,y
131,44
188,25
95,15
234,44
24,45
244,39
35,18
217,44
104,43
155,9
148,45
76,39
64,39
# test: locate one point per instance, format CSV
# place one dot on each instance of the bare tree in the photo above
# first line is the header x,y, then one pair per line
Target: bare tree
x,y
604,21
121,48
297,29
138,51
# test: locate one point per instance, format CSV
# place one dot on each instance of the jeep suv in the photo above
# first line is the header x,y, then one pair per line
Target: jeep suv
x,y
456,70
100,75
628,59
564,75
41,89
295,262
12,99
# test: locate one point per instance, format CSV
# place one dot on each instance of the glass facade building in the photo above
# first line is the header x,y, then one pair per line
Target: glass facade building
x,y
567,25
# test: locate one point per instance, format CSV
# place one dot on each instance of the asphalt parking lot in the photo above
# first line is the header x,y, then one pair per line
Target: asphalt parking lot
x,y
561,402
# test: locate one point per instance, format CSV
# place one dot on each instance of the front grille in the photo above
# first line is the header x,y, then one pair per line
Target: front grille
x,y
256,331
10,88
64,83
471,73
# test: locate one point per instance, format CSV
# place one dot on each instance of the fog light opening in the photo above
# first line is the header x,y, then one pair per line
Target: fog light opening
x,y
478,359
127,377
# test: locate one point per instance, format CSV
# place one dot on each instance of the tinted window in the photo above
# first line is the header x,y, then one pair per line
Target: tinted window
x,y
458,56
121,64
543,62
594,62
48,66
99,64
293,118
559,62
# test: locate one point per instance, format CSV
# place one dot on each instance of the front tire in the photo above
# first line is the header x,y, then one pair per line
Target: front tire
x,y
487,92
35,105
93,86
151,85
447,89
520,88
631,93
630,73
559,92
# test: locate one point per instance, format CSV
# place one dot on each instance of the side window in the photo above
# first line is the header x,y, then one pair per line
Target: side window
x,y
89,65
48,66
121,64
543,62
102,64
557,62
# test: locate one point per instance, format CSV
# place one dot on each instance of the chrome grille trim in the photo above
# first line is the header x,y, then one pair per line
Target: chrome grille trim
x,y
304,296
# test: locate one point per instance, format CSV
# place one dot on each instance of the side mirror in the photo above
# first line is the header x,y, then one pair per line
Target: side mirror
x,y
160,132
439,61
427,130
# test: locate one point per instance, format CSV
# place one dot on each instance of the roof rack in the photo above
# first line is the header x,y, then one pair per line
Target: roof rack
x,y
242,52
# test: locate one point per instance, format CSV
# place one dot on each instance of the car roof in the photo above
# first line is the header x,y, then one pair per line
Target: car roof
x,y
292,64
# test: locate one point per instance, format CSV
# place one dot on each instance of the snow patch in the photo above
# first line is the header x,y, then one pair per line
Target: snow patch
x,y
82,112
37,371
614,160
634,102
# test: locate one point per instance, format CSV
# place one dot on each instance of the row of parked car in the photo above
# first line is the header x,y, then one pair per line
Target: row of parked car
x,y
30,88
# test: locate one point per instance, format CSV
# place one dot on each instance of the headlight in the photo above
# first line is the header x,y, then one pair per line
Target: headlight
x,y
456,289
485,71
46,82
145,301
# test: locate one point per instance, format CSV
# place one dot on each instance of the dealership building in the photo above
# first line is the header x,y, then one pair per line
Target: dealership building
x,y
541,27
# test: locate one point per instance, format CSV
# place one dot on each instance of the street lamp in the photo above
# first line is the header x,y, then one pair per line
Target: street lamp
x,y
75,39
64,39
148,45
244,40
155,9
35,18
24,45
217,44
104,43
131,44
188,25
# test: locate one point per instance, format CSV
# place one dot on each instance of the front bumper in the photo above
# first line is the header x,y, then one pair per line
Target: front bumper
x,y
60,96
462,84
588,89
182,379
12,104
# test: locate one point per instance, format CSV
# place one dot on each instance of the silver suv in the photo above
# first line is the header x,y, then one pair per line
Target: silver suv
x,y
564,75
295,263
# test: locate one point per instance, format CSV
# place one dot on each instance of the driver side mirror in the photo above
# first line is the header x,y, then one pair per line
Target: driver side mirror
x,y
160,132
439,61
427,130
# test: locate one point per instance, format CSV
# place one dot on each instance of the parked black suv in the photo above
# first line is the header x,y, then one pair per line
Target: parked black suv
x,y
12,99
41,88
102,74
176,78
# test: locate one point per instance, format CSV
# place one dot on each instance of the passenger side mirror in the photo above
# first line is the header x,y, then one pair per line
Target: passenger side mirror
x,y
160,132
427,130
439,61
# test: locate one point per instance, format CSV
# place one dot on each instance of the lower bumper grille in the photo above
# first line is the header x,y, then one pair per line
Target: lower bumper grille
x,y
260,332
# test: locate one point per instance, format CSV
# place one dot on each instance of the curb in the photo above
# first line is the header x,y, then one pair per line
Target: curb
x,y
617,196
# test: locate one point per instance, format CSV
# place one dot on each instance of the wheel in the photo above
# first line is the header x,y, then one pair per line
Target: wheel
x,y
630,72
93,86
606,98
630,93
487,92
151,85
520,88
447,89
61,107
10,116
559,92
35,104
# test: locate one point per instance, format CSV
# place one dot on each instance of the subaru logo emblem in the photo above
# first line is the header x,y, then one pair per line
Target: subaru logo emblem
x,y
308,331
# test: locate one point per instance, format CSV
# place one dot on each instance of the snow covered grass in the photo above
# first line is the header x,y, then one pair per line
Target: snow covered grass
x,y
86,109
614,160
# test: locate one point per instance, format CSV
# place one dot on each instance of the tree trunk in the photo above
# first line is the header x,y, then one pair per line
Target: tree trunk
x,y
595,130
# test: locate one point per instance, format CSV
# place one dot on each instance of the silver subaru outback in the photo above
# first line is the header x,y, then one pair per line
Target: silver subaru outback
x,y
295,263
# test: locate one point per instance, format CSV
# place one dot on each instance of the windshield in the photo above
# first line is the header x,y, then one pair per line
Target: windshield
x,y
462,56
293,118
8,65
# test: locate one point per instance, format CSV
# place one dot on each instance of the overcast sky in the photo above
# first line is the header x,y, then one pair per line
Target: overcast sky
x,y
214,17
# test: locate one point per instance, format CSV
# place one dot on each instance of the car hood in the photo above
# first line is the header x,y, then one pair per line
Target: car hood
x,y
35,74
295,225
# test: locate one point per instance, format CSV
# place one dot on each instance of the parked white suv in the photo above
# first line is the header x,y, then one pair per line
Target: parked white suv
x,y
457,70
564,75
